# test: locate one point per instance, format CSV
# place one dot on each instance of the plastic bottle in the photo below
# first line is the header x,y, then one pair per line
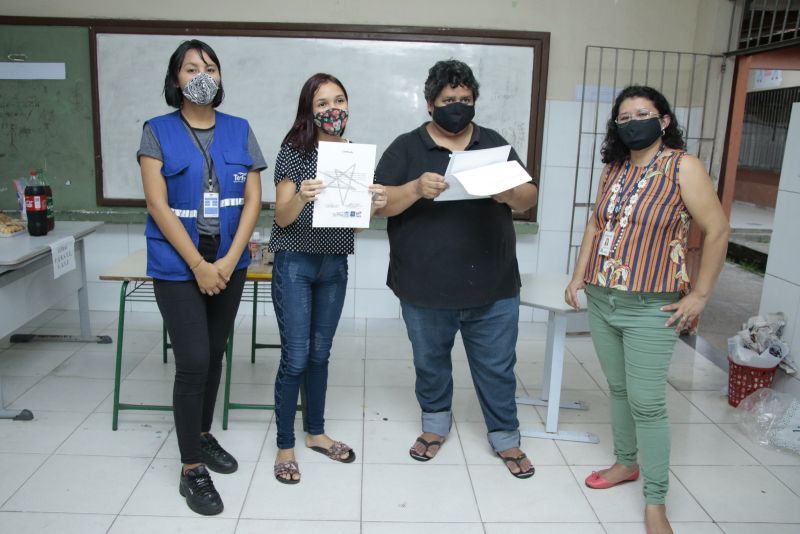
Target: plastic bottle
x,y
255,247
51,220
36,208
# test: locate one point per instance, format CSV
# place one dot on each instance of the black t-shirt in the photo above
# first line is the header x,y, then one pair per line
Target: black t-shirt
x,y
447,255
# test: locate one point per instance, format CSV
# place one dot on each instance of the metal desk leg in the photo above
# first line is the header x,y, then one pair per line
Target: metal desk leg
x,y
253,333
118,366
21,415
83,295
226,399
164,341
551,390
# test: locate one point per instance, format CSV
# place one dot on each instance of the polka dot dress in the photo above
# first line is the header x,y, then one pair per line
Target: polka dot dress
x,y
300,236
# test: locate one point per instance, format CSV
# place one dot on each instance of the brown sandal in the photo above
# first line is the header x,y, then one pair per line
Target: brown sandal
x,y
286,469
518,460
335,452
427,444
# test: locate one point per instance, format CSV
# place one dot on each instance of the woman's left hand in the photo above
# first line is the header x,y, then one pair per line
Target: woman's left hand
x,y
685,311
379,197
225,266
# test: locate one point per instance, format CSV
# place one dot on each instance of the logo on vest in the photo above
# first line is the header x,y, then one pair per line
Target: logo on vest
x,y
240,177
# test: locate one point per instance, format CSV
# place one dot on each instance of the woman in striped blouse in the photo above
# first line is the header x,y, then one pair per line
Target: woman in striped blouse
x,y
632,266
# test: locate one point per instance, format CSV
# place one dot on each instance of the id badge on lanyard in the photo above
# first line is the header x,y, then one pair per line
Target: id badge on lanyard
x,y
605,243
211,205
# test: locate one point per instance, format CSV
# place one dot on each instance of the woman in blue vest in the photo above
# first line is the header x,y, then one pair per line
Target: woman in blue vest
x,y
200,172
309,274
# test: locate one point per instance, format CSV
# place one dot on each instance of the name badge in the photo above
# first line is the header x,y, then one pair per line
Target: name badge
x,y
605,243
211,205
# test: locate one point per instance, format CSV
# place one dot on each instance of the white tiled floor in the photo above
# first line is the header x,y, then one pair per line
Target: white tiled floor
x,y
66,471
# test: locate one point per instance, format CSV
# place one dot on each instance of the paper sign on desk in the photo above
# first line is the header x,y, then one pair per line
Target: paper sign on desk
x,y
347,170
493,179
466,161
63,252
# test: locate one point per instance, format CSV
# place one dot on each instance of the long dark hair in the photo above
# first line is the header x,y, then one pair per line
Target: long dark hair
x,y
172,91
614,149
303,134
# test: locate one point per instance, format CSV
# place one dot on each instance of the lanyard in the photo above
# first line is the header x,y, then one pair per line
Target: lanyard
x,y
206,157
615,208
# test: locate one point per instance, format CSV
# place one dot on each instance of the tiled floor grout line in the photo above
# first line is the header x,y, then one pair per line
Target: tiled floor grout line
x,y
253,475
763,464
363,430
49,455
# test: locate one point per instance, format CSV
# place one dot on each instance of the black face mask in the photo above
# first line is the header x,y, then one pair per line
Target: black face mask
x,y
453,117
637,135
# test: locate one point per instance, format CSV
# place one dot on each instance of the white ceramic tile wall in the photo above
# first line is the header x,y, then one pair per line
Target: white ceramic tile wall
x,y
562,133
371,259
553,247
784,253
376,303
782,282
790,173
781,296
555,198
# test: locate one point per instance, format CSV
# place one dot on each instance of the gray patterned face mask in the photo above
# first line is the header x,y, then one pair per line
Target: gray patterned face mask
x,y
201,89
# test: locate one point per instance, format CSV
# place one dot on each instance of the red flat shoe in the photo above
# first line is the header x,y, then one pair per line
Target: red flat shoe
x,y
595,481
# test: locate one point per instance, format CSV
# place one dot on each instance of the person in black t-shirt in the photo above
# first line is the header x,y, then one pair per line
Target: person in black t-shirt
x,y
453,266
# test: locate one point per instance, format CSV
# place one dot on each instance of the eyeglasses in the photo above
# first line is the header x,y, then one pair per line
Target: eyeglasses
x,y
639,115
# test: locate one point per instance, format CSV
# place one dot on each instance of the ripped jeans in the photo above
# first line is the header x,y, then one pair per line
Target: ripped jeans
x,y
308,295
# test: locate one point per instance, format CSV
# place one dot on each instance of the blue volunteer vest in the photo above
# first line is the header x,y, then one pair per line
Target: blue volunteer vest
x,y
183,174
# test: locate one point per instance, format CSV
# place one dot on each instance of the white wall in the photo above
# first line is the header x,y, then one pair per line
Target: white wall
x,y
677,25
781,291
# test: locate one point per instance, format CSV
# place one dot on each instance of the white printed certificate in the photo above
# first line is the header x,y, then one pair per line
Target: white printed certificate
x,y
347,170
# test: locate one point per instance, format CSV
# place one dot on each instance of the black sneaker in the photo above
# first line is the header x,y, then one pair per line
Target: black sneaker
x,y
200,493
215,457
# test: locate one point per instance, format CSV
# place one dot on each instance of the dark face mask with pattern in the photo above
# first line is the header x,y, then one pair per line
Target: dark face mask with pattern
x,y
453,117
332,120
637,135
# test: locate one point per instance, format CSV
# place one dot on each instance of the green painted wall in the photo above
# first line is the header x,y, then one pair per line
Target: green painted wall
x,y
49,122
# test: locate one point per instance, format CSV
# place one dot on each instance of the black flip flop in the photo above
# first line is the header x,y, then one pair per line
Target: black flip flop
x,y
427,444
518,460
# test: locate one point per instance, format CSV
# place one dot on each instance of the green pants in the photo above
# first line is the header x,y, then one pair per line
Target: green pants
x,y
635,350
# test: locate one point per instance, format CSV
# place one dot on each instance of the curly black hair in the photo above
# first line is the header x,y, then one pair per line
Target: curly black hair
x,y
453,73
172,91
614,149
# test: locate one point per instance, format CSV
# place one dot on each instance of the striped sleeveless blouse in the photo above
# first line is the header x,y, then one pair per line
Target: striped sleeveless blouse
x,y
648,254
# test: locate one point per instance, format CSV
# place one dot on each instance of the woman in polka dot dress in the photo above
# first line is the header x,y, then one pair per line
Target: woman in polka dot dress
x,y
309,274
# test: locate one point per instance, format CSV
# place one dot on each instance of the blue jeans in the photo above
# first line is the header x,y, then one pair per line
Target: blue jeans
x,y
308,294
490,339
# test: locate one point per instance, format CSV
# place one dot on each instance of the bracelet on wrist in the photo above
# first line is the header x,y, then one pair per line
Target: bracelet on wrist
x,y
198,264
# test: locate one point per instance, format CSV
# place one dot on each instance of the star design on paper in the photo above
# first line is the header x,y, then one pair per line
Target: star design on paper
x,y
343,181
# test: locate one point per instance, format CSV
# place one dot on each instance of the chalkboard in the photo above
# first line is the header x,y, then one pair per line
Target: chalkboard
x,y
48,123
383,71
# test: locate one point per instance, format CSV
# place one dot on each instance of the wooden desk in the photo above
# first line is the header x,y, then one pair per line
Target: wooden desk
x,y
546,291
132,270
27,287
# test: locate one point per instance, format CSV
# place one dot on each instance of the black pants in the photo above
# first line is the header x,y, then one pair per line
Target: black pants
x,y
198,327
